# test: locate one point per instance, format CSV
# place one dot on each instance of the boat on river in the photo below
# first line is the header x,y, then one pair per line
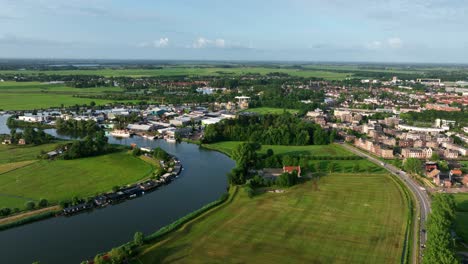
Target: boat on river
x,y
120,133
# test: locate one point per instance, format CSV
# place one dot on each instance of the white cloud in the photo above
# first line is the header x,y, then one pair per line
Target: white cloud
x,y
374,45
390,43
160,43
220,43
202,42
395,43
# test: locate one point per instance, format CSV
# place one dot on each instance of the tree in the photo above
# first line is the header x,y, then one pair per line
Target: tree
x,y
43,202
412,165
435,156
30,205
138,238
331,167
245,155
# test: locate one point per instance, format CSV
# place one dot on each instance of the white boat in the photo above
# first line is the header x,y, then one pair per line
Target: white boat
x,y
170,139
120,133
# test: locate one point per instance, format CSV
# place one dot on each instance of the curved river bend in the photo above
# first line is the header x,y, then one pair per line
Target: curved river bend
x,y
73,239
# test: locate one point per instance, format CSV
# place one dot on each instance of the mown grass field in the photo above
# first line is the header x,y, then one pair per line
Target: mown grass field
x,y
34,95
270,110
193,70
15,153
461,221
313,150
63,179
345,218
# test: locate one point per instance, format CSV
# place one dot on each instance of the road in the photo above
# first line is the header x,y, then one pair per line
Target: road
x,y
424,204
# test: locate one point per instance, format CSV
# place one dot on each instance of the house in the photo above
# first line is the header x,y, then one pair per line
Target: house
x,y
450,154
271,173
455,173
430,165
433,174
6,142
419,153
52,154
291,169
22,141
465,180
404,143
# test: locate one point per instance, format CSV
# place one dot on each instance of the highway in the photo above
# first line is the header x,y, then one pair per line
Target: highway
x,y
423,206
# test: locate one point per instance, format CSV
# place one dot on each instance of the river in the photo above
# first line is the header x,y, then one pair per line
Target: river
x,y
73,239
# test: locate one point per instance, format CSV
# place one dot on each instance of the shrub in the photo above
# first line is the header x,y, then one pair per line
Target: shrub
x,y
30,205
43,203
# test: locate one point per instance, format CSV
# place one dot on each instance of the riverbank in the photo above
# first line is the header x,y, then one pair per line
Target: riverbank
x,y
119,195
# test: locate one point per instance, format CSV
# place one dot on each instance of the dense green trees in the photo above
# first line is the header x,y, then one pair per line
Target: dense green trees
x,y
431,115
31,136
284,129
161,154
412,165
91,145
76,127
440,248
287,179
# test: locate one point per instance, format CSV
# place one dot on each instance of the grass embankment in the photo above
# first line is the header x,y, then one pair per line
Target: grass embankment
x,y
345,218
58,180
270,110
461,220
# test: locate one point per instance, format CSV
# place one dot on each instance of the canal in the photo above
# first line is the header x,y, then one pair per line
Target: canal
x,y
74,239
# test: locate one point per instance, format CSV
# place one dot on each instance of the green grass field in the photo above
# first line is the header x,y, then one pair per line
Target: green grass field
x,y
14,153
34,95
313,150
461,221
270,110
192,71
345,218
63,179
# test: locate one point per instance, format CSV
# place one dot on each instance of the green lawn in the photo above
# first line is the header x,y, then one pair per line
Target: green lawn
x,y
35,95
270,110
345,218
313,150
63,179
21,101
14,153
461,221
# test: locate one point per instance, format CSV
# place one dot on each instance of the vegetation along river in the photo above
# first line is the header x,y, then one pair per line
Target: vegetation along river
x,y
73,239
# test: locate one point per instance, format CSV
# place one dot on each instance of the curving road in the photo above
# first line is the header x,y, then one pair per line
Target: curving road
x,y
419,193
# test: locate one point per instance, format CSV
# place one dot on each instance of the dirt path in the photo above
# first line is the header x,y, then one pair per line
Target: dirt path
x,y
27,214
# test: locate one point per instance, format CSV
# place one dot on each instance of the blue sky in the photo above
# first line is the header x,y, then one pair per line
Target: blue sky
x,y
294,30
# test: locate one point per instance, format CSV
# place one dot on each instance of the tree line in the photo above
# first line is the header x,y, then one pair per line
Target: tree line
x,y
284,129
440,247
76,127
92,145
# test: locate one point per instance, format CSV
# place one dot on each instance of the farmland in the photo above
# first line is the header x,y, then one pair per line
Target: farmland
x,y
344,218
34,95
58,180
191,71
